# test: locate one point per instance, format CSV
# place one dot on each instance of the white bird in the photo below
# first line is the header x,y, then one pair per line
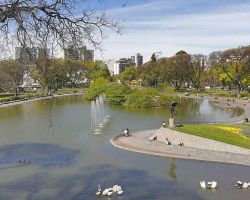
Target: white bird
x,y
105,192
203,184
245,185
120,192
214,184
99,190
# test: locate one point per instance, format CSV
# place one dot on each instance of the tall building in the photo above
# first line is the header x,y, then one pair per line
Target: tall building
x,y
78,53
133,59
88,55
139,60
122,64
202,59
30,54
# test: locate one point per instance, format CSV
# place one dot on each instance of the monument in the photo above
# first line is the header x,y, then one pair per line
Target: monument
x,y
171,119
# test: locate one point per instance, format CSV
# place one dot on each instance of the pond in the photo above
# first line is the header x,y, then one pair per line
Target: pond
x,y
47,151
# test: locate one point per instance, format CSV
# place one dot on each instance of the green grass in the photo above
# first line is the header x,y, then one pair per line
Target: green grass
x,y
69,90
212,131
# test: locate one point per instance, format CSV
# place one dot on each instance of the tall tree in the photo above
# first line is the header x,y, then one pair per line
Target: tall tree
x,y
11,73
177,71
237,72
129,74
61,22
195,74
153,57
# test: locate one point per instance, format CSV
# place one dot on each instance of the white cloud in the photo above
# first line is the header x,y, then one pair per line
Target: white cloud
x,y
195,33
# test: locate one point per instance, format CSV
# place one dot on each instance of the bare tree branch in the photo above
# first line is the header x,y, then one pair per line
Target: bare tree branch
x,y
37,22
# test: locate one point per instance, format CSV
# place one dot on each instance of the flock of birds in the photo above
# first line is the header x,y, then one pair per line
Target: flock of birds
x,y
116,189
214,184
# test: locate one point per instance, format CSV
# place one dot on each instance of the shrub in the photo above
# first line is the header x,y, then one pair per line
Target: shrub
x,y
137,100
116,93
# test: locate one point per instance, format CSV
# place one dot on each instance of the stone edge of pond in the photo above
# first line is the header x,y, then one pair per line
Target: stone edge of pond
x,y
37,99
217,157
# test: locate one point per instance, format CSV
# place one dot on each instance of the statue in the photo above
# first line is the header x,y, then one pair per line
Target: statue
x,y
172,110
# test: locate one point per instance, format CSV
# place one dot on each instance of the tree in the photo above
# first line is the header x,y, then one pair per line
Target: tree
x,y
45,72
177,70
129,74
11,74
76,72
98,69
153,57
61,22
236,72
195,74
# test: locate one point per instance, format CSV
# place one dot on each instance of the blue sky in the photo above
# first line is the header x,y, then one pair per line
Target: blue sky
x,y
196,26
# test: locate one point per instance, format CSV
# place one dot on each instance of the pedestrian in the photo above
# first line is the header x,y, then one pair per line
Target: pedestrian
x,y
127,132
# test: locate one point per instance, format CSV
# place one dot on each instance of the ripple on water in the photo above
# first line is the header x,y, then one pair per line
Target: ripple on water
x,y
43,154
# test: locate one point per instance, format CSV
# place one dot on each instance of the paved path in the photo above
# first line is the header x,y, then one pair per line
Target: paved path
x,y
195,148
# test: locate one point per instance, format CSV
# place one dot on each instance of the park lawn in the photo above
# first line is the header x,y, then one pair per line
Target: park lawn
x,y
223,133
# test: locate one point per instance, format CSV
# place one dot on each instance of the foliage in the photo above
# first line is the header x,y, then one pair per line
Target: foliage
x,y
116,93
153,57
11,74
223,133
98,87
98,69
128,75
234,72
146,98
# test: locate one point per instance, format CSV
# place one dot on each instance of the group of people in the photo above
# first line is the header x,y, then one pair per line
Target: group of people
x,y
181,144
125,132
169,143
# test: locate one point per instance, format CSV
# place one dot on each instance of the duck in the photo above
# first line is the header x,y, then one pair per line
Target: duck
x,y
99,190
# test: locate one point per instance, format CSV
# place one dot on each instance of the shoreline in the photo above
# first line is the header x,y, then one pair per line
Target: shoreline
x,y
138,142
18,102
210,151
222,102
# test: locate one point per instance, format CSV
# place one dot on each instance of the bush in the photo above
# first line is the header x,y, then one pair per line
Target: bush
x,y
137,100
96,89
116,93
147,98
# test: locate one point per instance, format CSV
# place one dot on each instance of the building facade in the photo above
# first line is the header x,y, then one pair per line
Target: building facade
x,y
30,54
78,53
122,64
139,60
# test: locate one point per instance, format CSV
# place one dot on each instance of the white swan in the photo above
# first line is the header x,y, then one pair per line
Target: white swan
x,y
214,184
105,192
245,185
203,184
120,192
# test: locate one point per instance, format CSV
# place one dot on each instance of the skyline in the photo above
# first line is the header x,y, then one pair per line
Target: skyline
x,y
167,27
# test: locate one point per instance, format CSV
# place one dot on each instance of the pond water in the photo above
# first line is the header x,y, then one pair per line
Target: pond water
x,y
48,152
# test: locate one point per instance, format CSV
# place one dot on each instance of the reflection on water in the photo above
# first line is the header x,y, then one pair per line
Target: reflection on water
x,y
71,162
44,155
172,169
